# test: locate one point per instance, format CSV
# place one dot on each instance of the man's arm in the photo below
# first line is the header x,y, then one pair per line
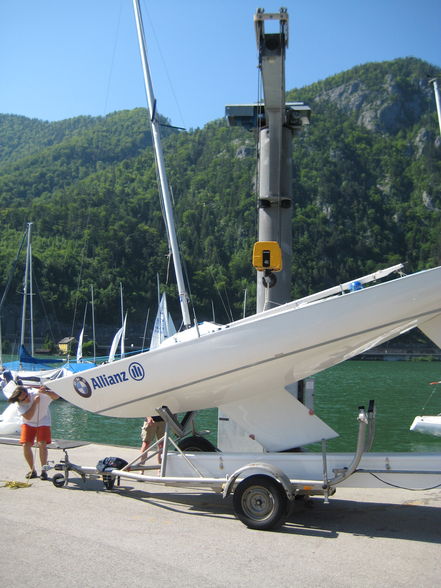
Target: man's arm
x,y
30,412
45,390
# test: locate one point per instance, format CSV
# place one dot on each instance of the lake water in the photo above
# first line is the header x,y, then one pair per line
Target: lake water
x,y
400,389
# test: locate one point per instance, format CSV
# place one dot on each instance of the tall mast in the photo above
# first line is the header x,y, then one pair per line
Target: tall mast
x,y
122,320
27,279
8,285
93,324
31,293
164,188
434,82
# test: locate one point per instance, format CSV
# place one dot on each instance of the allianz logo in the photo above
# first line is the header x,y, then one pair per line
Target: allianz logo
x,y
84,386
104,381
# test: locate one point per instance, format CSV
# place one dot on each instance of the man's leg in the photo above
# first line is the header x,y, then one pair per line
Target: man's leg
x,y
28,455
144,448
43,438
27,438
160,432
42,448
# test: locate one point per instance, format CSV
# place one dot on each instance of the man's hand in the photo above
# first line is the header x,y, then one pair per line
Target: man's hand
x,y
46,390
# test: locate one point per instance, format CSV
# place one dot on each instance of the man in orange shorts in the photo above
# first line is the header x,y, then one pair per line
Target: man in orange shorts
x,y
34,408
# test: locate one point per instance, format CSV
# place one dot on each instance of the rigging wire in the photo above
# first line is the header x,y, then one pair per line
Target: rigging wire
x,y
12,270
45,312
112,59
145,329
228,310
170,254
80,275
435,389
172,90
38,292
8,285
161,203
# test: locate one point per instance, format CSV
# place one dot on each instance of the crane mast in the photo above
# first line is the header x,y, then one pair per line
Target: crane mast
x,y
276,123
274,174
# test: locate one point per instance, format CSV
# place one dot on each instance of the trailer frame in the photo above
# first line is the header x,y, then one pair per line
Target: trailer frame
x,y
265,486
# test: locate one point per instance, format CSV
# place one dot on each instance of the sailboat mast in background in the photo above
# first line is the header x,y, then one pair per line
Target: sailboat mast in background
x,y
434,82
28,282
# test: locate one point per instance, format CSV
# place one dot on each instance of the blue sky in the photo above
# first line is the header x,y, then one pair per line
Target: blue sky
x,y
62,58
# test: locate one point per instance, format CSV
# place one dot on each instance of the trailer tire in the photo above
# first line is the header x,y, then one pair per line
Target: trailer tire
x,y
58,480
260,502
196,443
109,482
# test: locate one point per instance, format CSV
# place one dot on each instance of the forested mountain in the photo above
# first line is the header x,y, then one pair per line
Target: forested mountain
x,y
367,194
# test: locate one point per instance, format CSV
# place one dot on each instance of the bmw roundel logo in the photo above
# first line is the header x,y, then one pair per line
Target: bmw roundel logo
x,y
136,371
81,386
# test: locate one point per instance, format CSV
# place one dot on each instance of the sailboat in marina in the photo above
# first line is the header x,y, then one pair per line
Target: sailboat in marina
x,y
250,368
430,424
427,424
28,367
118,340
80,364
163,327
34,371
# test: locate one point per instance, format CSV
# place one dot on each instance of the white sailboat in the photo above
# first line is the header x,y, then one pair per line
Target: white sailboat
x,y
80,364
28,367
250,367
430,424
427,424
10,420
120,335
163,327
117,340
80,346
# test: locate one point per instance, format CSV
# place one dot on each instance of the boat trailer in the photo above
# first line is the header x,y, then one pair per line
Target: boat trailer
x,y
264,486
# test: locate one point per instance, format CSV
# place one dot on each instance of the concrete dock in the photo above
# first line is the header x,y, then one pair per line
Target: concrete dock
x,y
142,534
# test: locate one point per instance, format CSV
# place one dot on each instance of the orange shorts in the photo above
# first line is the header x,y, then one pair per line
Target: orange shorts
x,y
29,433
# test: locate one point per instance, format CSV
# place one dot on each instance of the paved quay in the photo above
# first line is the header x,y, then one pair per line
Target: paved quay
x,y
143,534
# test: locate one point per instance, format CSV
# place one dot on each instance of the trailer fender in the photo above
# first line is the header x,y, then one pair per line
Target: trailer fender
x,y
259,467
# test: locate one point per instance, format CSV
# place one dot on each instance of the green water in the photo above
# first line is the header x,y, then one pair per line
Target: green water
x,y
400,389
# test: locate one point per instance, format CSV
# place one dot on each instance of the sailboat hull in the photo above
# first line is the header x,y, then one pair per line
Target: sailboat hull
x,y
258,354
428,425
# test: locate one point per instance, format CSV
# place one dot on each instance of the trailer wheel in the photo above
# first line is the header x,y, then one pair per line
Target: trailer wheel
x,y
260,502
58,480
109,482
196,443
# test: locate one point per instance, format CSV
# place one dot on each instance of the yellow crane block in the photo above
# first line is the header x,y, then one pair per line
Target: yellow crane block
x,y
267,255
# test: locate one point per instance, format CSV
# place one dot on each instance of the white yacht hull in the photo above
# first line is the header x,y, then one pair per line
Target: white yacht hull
x,y
429,425
10,421
257,355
